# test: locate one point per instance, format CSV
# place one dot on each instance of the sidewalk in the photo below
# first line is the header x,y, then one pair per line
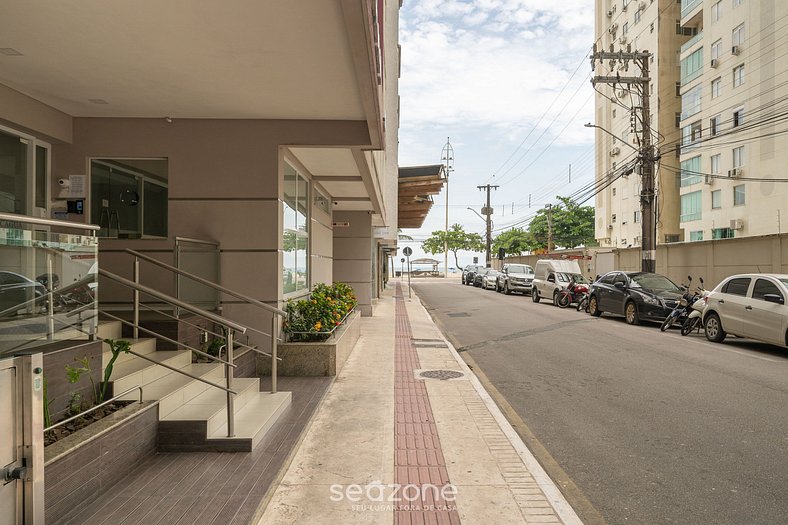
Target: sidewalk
x,y
390,446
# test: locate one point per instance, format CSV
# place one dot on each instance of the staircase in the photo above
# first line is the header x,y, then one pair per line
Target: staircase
x,y
193,414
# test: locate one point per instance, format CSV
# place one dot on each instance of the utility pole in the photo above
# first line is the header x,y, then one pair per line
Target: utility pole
x,y
447,156
549,212
646,154
487,211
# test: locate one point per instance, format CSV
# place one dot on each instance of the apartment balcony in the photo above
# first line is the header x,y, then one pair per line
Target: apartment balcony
x,y
691,12
691,45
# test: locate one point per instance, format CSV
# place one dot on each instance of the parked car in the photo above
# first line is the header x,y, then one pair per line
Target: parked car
x,y
553,275
515,278
469,273
480,273
17,290
638,296
752,306
490,279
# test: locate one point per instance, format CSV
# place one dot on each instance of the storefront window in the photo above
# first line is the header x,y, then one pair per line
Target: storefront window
x,y
295,261
13,174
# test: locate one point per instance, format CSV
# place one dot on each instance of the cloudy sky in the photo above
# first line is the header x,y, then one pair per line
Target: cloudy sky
x,y
508,82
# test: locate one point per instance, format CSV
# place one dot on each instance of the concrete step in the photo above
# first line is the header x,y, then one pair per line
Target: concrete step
x,y
129,373
253,421
143,345
109,329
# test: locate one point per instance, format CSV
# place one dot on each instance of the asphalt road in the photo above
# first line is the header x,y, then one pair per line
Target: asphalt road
x,y
651,427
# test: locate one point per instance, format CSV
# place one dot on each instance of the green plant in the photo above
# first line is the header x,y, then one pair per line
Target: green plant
x,y
47,402
74,373
315,318
214,348
74,403
116,346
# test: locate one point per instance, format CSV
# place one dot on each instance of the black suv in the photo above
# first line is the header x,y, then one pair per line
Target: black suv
x,y
515,278
469,273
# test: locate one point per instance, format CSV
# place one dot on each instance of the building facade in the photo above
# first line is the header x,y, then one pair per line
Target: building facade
x,y
701,90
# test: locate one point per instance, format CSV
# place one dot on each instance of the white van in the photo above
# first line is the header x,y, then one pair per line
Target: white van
x,y
552,275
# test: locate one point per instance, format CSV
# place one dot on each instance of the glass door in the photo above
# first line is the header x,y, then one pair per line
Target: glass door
x,y
115,201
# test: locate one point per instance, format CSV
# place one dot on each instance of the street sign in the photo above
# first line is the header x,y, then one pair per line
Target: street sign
x,y
407,251
402,260
475,260
487,210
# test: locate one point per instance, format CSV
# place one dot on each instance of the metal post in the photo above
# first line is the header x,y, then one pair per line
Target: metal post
x,y
448,158
136,298
229,373
50,301
274,344
409,292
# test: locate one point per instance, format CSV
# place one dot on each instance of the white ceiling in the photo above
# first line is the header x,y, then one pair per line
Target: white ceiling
x,y
182,58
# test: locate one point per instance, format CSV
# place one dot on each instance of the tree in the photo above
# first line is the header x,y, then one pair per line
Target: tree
x,y
514,242
573,225
457,239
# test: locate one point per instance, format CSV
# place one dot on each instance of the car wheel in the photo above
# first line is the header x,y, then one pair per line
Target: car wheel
x,y
535,295
555,298
631,312
506,289
593,307
689,325
713,328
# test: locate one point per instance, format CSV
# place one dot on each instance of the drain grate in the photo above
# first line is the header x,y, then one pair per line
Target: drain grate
x,y
443,375
459,314
428,343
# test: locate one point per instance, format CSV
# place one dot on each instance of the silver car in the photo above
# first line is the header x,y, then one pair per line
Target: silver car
x,y
490,280
750,305
515,278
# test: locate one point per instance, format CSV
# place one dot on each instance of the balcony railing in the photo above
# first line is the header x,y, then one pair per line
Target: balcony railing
x,y
691,42
688,5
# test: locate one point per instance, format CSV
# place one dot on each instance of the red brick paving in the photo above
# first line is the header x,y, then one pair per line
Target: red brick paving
x,y
418,458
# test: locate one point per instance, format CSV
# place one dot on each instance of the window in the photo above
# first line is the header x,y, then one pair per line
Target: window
x,y
737,286
716,47
716,199
715,164
716,11
651,27
714,123
738,195
690,172
691,133
737,37
625,28
678,120
737,3
722,233
295,259
623,242
13,174
614,112
738,117
692,66
691,102
738,75
613,218
678,89
696,236
637,16
738,157
716,87
691,206
763,287
614,192
637,216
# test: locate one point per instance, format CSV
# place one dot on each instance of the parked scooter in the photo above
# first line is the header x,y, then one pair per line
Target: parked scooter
x,y
682,310
698,307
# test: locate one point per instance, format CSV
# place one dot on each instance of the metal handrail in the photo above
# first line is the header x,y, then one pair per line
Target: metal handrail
x,y
46,222
187,374
195,241
91,409
175,302
206,282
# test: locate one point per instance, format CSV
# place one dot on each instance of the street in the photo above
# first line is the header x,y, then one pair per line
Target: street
x,y
650,427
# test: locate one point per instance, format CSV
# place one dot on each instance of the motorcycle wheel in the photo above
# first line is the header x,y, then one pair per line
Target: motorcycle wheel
x,y
668,322
564,300
582,303
690,325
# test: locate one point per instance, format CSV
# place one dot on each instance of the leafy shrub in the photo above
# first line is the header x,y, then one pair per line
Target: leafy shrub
x,y
314,319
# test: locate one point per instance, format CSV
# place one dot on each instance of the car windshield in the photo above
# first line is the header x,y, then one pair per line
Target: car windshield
x,y
566,277
520,268
653,281
783,280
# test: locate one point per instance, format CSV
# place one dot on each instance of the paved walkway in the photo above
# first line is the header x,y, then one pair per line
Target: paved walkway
x,y
389,445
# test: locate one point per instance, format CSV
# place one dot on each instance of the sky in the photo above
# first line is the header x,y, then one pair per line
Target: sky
x,y
507,82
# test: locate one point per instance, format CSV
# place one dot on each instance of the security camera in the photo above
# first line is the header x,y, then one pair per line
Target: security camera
x,y
64,182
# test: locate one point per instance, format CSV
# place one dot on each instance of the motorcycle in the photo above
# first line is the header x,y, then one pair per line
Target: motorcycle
x,y
698,307
682,309
572,293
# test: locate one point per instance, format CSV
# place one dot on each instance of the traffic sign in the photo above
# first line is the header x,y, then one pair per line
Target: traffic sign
x,y
407,251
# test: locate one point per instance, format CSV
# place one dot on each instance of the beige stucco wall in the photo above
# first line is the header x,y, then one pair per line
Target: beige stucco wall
x,y
28,114
353,255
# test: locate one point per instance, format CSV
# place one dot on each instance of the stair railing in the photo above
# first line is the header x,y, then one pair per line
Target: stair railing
x,y
230,327
276,317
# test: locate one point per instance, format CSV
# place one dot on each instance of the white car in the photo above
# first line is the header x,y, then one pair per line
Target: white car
x,y
750,305
490,279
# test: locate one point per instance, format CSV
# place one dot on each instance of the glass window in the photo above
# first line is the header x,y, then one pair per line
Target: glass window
x,y
737,3
690,172
714,124
715,164
637,216
716,87
608,278
738,117
154,209
691,206
295,261
696,236
738,157
691,102
637,19
691,133
716,199
625,28
738,75
762,287
738,195
613,218
716,47
738,35
737,286
13,174
692,66
722,233
42,166
716,11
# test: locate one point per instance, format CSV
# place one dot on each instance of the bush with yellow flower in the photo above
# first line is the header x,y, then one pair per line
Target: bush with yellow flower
x,y
315,318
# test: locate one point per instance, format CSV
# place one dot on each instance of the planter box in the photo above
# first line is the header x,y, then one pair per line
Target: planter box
x,y
324,358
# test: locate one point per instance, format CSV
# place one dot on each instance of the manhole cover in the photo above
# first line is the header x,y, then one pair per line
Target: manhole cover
x,y
441,374
459,314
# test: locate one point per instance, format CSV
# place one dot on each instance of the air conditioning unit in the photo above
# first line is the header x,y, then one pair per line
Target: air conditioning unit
x,y
708,179
735,50
735,173
612,29
737,224
610,14
622,40
615,151
715,63
609,226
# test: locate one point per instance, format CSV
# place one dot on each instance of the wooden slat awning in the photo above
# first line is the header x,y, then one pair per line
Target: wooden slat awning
x,y
417,185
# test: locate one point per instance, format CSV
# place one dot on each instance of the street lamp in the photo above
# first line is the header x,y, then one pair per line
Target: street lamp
x,y
589,125
477,213
447,156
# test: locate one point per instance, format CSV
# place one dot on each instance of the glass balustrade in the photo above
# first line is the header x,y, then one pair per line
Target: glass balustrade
x,y
200,258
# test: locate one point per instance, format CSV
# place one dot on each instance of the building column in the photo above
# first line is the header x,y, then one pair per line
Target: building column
x,y
353,245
